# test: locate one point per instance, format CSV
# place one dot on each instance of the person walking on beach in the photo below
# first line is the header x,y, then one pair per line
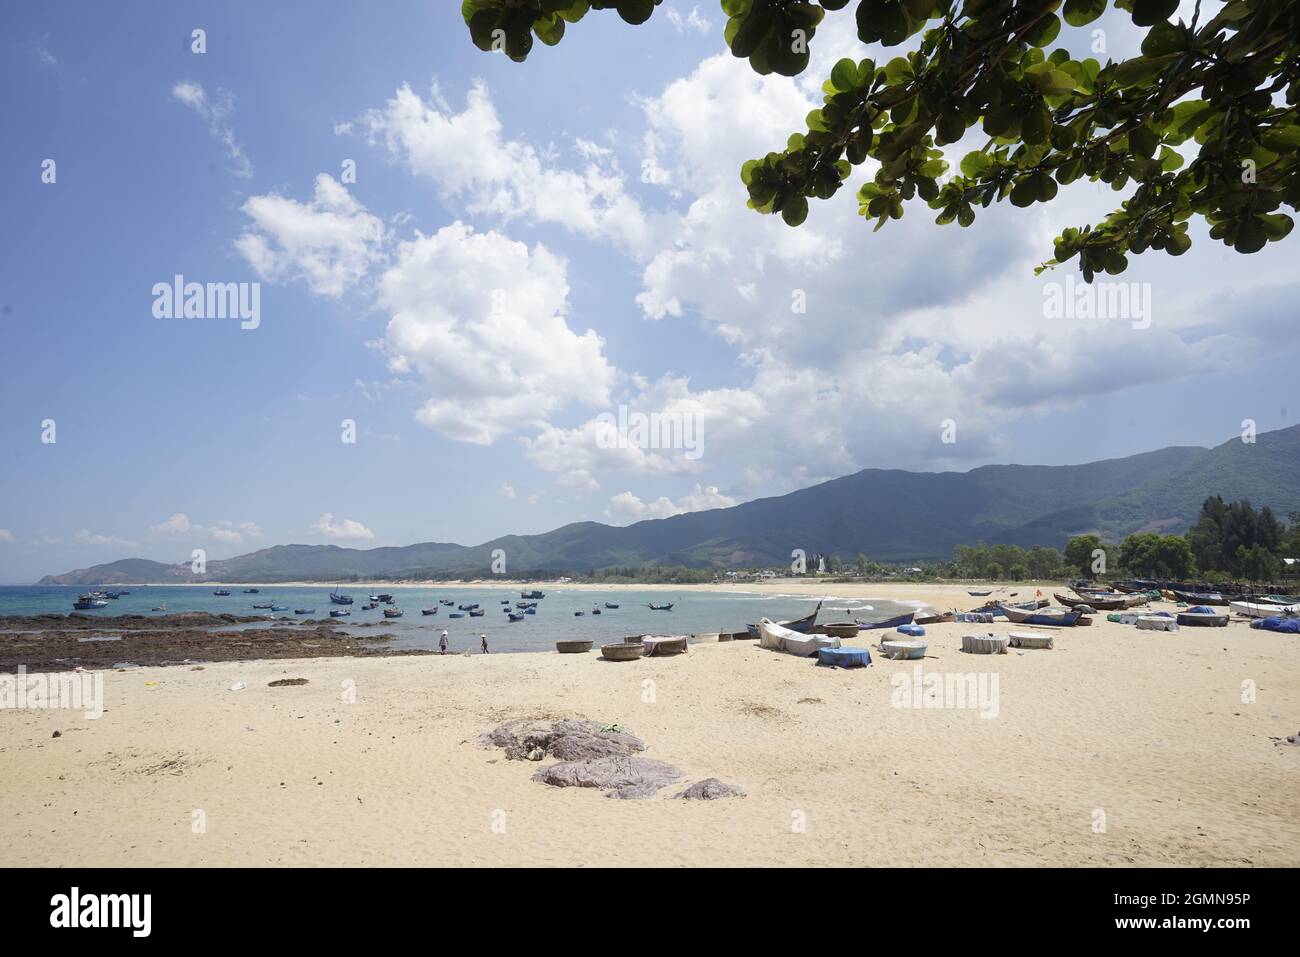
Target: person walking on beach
x,y
442,642
483,638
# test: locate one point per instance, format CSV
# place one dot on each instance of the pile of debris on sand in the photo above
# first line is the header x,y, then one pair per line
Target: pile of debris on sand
x,y
595,755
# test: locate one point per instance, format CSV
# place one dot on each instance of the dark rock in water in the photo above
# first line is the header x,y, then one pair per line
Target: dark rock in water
x,y
710,789
568,740
629,777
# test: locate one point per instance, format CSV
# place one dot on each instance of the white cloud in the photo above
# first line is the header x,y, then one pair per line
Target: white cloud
x,y
692,21
176,525
497,351
329,242
625,507
216,112
466,155
506,490
6,535
87,537
345,529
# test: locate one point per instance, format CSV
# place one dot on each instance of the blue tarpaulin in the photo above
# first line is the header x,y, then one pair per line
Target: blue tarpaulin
x,y
844,657
915,631
1289,626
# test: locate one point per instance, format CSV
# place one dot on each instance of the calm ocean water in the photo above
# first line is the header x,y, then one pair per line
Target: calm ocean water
x,y
693,611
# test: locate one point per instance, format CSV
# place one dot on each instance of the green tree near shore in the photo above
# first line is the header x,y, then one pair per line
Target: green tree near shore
x,y
1227,83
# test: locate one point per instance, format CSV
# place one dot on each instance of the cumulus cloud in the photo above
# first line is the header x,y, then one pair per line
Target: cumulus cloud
x,y
329,242
345,529
625,507
693,21
216,112
471,161
497,351
95,539
178,524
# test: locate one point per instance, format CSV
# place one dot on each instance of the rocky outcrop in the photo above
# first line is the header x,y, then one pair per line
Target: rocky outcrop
x,y
710,789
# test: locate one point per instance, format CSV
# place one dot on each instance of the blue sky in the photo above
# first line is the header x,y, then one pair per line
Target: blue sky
x,y
595,188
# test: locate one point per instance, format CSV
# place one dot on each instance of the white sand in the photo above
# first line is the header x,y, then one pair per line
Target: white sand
x,y
1147,728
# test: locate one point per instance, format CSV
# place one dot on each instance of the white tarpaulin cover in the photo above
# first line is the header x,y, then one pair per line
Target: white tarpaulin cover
x,y
774,636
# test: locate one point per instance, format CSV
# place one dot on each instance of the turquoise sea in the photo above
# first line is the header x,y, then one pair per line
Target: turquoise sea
x,y
694,611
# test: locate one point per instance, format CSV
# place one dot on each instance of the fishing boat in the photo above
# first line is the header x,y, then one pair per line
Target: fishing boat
x,y
894,622
340,599
505,601
668,607
222,592
595,611
530,611
578,614
1200,598
338,613
87,602
1261,609
1202,616
1096,602
532,594
777,637
1266,599
905,649
445,601
392,613
304,611
162,608
456,614
514,617
385,598
429,611
1061,618
112,594
263,605
980,594
252,591
279,608
477,612
525,604
610,604
802,625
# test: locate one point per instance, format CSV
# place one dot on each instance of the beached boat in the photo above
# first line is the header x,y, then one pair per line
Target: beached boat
x,y
888,622
1096,602
392,613
1262,609
1030,639
222,592
931,617
989,644
339,598
1200,598
622,651
903,648
665,647
980,594
1062,618
514,617
804,625
429,611
1203,617
339,613
573,647
777,637
668,607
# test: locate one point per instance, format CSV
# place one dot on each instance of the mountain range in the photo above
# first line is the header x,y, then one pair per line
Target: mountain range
x,y
886,514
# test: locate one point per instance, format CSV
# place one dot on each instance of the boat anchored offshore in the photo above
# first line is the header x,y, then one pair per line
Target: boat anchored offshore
x,y
87,602
222,592
340,599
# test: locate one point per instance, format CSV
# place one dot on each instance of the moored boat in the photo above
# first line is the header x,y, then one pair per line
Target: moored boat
x,y
668,607
610,604
304,611
429,611
222,592
88,602
340,613
512,616
338,598
1061,618
392,613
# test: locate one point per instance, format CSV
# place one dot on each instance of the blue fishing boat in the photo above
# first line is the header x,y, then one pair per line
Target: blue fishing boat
x,y
87,602
340,599
392,613
251,591
1063,619
802,625
429,611
530,611
456,614
513,617
337,613
222,592
304,611
445,601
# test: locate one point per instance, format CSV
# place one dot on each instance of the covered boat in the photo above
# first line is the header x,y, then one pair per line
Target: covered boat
x,y
1200,598
903,648
1287,626
844,657
1061,618
1156,623
779,638
1203,616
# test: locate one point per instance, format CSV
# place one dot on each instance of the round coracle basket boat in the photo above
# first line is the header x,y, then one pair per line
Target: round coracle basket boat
x,y
622,651
1030,639
984,644
841,630
575,647
903,648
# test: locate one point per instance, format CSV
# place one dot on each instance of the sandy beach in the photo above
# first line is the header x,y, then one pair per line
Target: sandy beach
x,y
1117,747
